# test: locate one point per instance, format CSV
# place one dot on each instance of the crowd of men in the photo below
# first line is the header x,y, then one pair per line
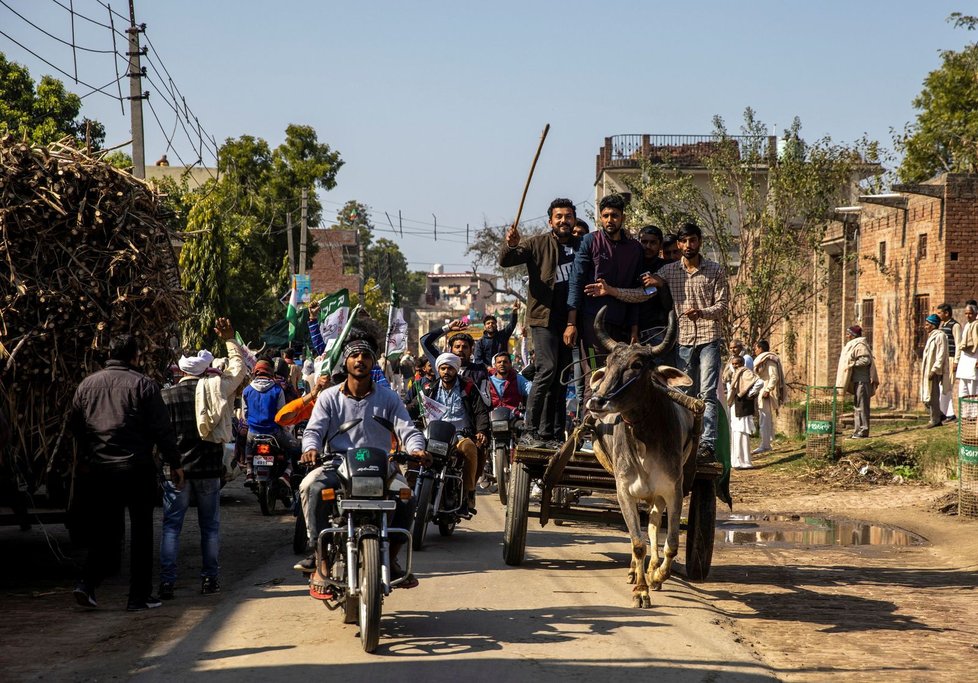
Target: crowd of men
x,y
120,416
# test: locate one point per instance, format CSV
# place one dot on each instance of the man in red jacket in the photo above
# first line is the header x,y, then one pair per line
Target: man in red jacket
x,y
507,388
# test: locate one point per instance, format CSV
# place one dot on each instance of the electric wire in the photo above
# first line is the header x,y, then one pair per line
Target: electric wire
x,y
70,44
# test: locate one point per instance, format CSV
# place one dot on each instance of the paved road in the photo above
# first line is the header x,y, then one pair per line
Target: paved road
x,y
563,615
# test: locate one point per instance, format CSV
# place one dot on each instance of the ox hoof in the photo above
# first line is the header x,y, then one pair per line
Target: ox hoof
x,y
658,578
641,601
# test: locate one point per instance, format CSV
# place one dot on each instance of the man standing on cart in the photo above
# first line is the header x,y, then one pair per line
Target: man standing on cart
x,y
549,259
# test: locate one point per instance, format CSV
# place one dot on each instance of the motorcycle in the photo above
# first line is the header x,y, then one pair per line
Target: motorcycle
x,y
438,488
355,549
268,463
505,425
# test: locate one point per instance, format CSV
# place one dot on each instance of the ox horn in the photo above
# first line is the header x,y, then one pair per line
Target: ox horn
x,y
257,351
669,339
604,339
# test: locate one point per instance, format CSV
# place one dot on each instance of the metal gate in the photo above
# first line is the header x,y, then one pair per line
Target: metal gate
x,y
968,456
821,415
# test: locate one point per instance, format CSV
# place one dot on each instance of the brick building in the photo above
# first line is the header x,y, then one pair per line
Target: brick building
x,y
888,262
335,264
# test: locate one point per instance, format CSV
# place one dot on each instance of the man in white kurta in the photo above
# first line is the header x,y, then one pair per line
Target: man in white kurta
x,y
935,369
967,358
743,388
767,366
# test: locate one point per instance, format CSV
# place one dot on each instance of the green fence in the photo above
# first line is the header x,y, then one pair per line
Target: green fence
x,y
968,456
821,417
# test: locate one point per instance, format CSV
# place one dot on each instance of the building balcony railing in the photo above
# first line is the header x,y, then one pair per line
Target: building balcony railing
x,y
690,151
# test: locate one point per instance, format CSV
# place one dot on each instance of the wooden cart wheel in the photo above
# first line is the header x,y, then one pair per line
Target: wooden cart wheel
x,y
701,529
517,514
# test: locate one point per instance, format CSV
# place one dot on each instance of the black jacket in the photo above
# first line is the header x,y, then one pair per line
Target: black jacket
x,y
486,348
117,416
475,406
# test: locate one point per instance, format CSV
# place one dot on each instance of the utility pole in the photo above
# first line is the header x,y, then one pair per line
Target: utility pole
x,y
359,265
304,228
136,94
288,236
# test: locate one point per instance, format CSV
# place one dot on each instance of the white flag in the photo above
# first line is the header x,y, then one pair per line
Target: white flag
x,y
334,311
433,410
396,334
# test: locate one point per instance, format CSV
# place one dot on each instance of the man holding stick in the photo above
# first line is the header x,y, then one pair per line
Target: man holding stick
x,y
549,258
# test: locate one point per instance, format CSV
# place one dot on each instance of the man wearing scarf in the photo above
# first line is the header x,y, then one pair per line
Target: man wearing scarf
x,y
200,407
356,396
857,375
935,370
261,401
767,366
466,409
741,395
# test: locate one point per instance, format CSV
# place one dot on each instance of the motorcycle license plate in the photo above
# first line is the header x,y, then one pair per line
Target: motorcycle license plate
x,y
259,461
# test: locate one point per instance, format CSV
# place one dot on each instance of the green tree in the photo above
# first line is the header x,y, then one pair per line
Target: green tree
x,y
484,252
386,264
203,273
944,137
761,227
44,112
356,216
258,187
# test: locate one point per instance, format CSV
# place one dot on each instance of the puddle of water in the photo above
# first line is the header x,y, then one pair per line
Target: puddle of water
x,y
760,529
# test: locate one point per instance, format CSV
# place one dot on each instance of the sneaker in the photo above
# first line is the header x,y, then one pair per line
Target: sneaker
x,y
149,602
536,491
286,481
209,585
84,595
306,566
531,440
553,444
166,590
250,482
587,446
396,573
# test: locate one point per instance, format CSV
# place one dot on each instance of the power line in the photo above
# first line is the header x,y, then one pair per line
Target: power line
x,y
58,69
72,11
70,44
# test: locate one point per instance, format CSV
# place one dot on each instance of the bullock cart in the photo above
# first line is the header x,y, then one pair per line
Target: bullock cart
x,y
585,492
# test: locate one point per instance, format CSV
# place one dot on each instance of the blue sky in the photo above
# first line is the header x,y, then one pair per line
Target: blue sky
x,y
437,107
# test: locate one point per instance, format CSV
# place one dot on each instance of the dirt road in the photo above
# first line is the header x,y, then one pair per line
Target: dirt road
x,y
786,611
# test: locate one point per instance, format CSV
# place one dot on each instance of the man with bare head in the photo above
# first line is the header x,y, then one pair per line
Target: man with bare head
x,y
549,259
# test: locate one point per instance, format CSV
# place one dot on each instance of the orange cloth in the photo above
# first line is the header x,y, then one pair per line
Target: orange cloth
x,y
294,412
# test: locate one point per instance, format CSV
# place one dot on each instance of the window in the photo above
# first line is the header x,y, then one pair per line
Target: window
x,y
882,256
921,246
954,256
921,307
867,321
351,259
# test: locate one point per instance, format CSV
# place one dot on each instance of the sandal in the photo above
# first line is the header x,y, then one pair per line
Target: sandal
x,y
319,589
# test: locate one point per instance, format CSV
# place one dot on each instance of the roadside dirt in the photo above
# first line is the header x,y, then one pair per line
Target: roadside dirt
x,y
862,612
810,612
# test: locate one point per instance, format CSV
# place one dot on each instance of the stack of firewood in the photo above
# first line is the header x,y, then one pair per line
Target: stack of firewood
x,y
85,255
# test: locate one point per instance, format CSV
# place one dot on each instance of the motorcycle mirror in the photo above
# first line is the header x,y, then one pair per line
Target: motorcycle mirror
x,y
345,427
389,426
384,422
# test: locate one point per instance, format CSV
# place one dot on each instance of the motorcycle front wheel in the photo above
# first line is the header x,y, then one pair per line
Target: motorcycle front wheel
x,y
500,461
371,594
422,514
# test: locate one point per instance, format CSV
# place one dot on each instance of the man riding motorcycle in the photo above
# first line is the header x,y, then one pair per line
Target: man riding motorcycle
x,y
357,396
466,409
507,388
261,400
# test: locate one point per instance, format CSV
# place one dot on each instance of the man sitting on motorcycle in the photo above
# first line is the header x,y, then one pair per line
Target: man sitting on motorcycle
x,y
464,408
356,396
507,388
261,400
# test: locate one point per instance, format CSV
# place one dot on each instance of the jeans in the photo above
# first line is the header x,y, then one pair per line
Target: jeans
x,y
175,504
106,494
547,402
702,364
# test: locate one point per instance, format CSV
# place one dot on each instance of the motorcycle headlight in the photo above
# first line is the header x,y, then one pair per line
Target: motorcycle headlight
x,y
500,425
367,487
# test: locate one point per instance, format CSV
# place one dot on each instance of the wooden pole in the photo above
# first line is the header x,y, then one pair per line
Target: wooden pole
x,y
526,188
